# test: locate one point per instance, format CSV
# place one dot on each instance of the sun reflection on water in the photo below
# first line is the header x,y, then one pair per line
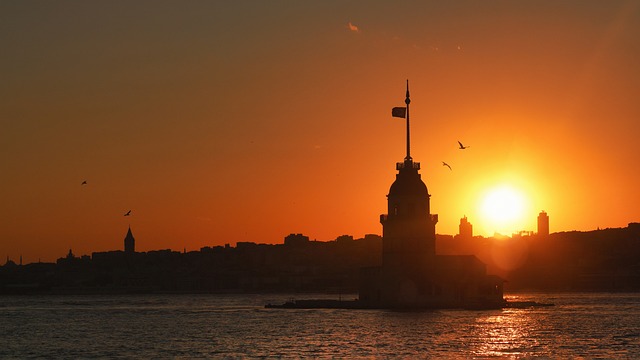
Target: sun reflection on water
x,y
511,333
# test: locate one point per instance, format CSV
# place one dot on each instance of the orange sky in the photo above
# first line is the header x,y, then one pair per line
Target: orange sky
x,y
225,121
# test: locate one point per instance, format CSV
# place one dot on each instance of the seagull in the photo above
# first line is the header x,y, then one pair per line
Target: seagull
x,y
447,165
128,213
84,182
462,147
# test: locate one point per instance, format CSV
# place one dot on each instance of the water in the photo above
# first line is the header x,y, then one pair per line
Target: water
x,y
238,326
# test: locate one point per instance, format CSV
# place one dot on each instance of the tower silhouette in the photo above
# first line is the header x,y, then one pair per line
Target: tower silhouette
x,y
411,274
129,242
465,229
543,224
408,229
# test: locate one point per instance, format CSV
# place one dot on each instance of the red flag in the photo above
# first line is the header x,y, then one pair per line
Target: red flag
x,y
400,112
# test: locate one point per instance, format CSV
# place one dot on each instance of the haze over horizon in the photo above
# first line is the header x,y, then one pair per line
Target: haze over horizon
x,y
219,122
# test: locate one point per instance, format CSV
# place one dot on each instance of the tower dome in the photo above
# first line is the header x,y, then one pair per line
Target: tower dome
x,y
408,181
408,195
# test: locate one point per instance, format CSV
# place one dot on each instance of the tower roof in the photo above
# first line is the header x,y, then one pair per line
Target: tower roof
x,y
129,234
408,181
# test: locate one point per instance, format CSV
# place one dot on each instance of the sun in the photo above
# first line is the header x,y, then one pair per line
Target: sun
x,y
503,209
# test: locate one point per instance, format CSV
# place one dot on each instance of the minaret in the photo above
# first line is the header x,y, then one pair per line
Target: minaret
x,y
408,229
129,242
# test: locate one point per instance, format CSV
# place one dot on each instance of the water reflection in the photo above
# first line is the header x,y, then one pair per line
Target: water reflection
x,y
508,333
579,326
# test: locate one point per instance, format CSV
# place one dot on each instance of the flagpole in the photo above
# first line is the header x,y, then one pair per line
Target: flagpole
x,y
407,101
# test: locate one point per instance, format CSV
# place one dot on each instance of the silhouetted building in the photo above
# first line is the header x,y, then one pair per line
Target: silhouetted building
x,y
411,274
465,229
543,224
9,262
296,240
342,239
129,242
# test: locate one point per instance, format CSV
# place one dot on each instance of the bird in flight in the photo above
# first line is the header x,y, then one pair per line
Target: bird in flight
x,y
84,182
127,213
462,147
447,165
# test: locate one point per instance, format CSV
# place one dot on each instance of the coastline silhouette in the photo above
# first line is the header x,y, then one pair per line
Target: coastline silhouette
x,y
596,260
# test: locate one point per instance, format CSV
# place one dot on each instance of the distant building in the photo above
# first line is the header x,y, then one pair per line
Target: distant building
x,y
343,239
129,242
411,274
296,240
9,262
543,224
465,230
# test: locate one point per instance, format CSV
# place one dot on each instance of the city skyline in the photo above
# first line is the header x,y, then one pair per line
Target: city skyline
x,y
218,123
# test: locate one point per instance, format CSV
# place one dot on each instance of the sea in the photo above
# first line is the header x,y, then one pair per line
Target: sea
x,y
580,325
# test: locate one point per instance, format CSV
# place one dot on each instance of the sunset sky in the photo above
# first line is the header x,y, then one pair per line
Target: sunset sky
x,y
224,121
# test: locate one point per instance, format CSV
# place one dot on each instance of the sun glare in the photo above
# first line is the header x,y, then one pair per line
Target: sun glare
x,y
503,209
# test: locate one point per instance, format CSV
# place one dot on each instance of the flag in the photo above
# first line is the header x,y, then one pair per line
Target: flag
x,y
400,112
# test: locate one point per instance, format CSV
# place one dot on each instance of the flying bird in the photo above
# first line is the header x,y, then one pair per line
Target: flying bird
x,y
84,182
127,213
447,165
462,147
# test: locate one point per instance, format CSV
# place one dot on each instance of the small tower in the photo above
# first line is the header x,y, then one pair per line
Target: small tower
x,y
129,242
465,230
543,224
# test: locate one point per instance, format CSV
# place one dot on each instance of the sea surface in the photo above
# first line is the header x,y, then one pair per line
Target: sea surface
x,y
584,325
